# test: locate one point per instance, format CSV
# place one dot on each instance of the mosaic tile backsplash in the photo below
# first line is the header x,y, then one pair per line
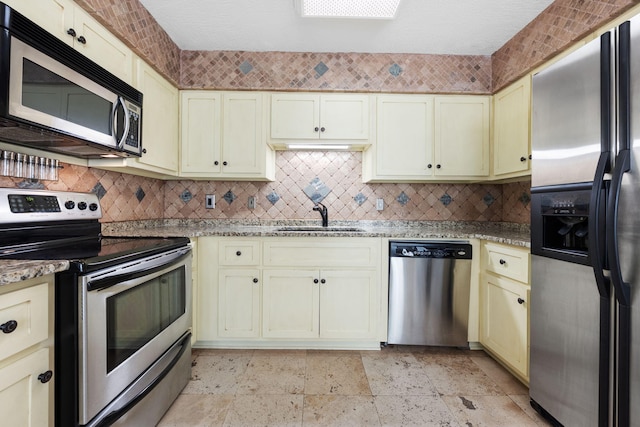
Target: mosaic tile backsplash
x,y
334,175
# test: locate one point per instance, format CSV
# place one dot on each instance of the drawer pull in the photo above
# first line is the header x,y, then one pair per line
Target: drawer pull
x,y
502,262
9,326
520,301
255,280
45,377
238,253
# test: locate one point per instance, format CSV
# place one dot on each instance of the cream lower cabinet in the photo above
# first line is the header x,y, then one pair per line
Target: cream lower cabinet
x,y
284,292
504,312
26,353
332,304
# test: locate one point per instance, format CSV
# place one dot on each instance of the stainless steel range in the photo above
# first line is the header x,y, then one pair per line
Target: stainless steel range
x,y
122,310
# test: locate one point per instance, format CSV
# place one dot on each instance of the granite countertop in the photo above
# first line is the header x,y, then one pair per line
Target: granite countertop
x,y
508,233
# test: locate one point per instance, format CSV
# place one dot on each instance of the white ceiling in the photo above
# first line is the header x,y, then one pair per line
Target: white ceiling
x,y
455,27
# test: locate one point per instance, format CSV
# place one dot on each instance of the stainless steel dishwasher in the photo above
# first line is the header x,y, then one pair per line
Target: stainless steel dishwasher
x,y
429,283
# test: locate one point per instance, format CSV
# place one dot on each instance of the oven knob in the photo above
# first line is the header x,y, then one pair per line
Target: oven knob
x,y
93,207
82,205
69,204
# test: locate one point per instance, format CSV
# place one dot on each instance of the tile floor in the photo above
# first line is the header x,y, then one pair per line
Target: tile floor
x,y
397,386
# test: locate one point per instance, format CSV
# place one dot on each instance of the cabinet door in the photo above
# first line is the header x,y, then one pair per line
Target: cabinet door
x,y
200,133
505,321
244,142
404,146
348,304
55,16
511,128
290,304
28,310
24,400
344,117
295,116
461,136
160,119
239,303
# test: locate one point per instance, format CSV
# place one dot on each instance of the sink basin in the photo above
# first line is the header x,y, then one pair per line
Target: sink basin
x,y
311,229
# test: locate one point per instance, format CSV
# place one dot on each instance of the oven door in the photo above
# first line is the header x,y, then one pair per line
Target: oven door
x,y
131,315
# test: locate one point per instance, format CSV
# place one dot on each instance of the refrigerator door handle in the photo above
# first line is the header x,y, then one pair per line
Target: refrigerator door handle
x,y
596,234
622,289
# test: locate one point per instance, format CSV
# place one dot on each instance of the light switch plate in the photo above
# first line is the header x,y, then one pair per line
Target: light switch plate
x,y
379,204
251,203
210,201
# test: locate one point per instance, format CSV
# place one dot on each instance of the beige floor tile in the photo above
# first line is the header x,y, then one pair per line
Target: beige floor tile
x,y
507,382
423,411
266,410
457,375
218,372
197,410
341,373
523,402
339,411
396,374
488,411
274,372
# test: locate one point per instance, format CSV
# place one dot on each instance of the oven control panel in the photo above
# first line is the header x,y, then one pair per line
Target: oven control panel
x,y
22,205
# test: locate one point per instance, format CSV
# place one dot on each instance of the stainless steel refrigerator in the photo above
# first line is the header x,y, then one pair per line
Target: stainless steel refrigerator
x,y
585,234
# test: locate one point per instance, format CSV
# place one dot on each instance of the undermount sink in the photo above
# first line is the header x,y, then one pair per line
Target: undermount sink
x,y
303,229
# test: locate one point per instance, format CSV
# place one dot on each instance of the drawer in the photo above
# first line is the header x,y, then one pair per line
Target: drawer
x,y
508,261
239,252
29,308
316,253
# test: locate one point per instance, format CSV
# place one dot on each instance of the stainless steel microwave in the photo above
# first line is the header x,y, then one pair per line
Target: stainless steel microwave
x,y
54,98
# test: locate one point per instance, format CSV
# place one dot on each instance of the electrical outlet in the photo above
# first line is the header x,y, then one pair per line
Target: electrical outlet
x,y
379,204
210,201
251,203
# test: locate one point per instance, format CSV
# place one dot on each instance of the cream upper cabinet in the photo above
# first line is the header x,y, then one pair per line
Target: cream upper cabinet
x,y
504,311
159,128
316,118
26,353
511,129
70,23
223,136
462,130
404,139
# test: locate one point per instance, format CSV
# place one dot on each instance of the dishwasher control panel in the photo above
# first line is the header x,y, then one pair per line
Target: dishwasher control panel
x,y
431,249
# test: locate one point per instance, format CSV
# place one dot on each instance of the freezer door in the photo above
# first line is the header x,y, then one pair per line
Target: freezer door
x,y
566,120
565,325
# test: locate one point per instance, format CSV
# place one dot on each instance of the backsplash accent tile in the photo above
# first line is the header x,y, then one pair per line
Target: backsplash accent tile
x,y
229,197
360,199
273,197
488,199
100,191
395,70
140,194
403,199
446,199
186,196
246,67
320,69
316,191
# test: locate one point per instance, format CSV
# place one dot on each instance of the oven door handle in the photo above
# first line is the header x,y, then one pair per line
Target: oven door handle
x,y
114,412
112,280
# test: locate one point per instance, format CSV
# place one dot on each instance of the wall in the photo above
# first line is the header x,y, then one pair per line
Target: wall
x,y
127,197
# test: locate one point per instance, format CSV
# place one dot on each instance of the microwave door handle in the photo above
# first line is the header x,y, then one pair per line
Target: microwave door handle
x,y
120,143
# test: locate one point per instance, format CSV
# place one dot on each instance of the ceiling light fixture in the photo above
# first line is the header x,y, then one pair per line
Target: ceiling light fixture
x,y
363,9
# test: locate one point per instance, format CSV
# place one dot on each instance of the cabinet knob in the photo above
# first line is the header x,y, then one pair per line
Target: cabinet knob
x,y
502,262
45,377
238,253
429,166
322,129
144,151
255,280
9,326
71,32
520,301
315,280
82,40
529,156
216,163
316,129
438,166
323,281
224,163
523,159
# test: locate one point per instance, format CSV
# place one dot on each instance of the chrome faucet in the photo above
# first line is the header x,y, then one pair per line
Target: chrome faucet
x,y
323,213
